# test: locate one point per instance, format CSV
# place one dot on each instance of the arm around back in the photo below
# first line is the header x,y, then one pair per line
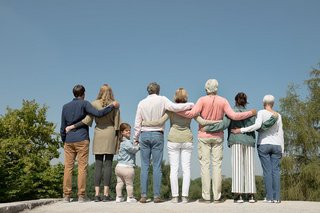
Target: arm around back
x,y
176,107
237,115
98,113
218,127
159,122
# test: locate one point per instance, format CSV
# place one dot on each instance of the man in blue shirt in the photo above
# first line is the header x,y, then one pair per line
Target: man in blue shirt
x,y
76,142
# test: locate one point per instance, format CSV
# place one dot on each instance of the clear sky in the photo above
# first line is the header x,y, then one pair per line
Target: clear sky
x,y
255,46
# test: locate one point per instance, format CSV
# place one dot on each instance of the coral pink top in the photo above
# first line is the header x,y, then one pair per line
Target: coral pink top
x,y
213,107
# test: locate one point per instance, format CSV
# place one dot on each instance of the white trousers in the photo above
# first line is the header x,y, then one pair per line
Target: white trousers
x,y
175,151
243,178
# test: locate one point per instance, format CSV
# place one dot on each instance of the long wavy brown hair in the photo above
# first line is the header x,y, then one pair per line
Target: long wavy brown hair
x,y
105,95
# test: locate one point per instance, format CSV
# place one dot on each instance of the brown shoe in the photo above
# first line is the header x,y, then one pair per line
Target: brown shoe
x,y
143,200
66,199
157,200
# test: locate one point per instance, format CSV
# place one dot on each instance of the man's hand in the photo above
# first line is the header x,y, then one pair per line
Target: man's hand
x,y
116,104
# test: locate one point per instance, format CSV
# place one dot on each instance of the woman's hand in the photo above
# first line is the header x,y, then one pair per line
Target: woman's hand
x,y
236,131
69,128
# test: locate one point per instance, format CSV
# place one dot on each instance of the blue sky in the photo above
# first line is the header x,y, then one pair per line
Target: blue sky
x,y
254,46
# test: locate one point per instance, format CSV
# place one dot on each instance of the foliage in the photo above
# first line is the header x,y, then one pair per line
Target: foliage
x,y
27,145
301,121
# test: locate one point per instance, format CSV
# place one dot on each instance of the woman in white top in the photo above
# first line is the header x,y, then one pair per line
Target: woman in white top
x,y
270,146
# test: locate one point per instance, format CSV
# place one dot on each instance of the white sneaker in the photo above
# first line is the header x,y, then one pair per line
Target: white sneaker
x,y
240,200
119,199
174,200
185,200
251,199
131,200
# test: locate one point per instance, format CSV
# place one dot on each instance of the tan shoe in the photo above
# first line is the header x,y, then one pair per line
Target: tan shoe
x,y
143,200
157,200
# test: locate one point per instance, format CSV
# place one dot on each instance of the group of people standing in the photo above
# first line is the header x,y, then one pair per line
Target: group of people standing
x,y
212,112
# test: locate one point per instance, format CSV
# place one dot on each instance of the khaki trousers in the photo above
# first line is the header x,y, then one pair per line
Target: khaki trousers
x,y
79,150
210,151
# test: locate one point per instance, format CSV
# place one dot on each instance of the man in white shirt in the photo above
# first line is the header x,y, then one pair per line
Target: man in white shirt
x,y
151,138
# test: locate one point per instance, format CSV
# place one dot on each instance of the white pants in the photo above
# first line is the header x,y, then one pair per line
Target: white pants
x,y
175,150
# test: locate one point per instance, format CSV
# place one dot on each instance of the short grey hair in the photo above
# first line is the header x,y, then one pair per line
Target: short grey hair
x,y
153,88
211,86
268,99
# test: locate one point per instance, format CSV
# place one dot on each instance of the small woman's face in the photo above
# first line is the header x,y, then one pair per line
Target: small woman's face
x,y
126,133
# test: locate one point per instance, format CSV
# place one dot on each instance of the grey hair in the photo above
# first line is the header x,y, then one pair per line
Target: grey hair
x,y
153,88
268,99
211,86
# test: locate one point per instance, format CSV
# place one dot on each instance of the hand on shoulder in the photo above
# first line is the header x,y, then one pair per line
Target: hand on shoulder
x,y
254,112
116,104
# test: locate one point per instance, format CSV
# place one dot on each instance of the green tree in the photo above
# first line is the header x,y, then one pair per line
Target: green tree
x,y
301,121
27,145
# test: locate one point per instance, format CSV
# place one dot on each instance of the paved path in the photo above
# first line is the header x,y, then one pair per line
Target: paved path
x,y
167,207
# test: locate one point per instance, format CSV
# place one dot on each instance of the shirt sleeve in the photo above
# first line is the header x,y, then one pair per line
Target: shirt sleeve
x,y
63,127
280,132
137,124
159,122
98,113
176,107
195,111
130,147
268,123
218,127
254,126
235,115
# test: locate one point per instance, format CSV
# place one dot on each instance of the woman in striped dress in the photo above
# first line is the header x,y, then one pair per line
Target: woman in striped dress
x,y
242,151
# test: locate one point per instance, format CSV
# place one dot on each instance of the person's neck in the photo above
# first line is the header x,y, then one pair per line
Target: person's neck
x,y
80,97
268,108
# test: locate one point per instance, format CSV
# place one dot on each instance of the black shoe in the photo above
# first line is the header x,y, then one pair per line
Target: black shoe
x,y
106,198
97,198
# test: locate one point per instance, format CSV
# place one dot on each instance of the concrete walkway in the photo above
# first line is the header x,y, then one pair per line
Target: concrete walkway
x,y
20,206
57,206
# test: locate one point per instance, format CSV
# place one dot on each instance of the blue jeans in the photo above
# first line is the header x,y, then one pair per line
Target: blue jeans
x,y
270,156
151,144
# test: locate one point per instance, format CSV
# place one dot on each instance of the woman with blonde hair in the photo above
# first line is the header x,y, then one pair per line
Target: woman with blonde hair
x,y
105,140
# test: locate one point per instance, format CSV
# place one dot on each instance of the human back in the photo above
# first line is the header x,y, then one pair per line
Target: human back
x,y
104,139
271,135
245,139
